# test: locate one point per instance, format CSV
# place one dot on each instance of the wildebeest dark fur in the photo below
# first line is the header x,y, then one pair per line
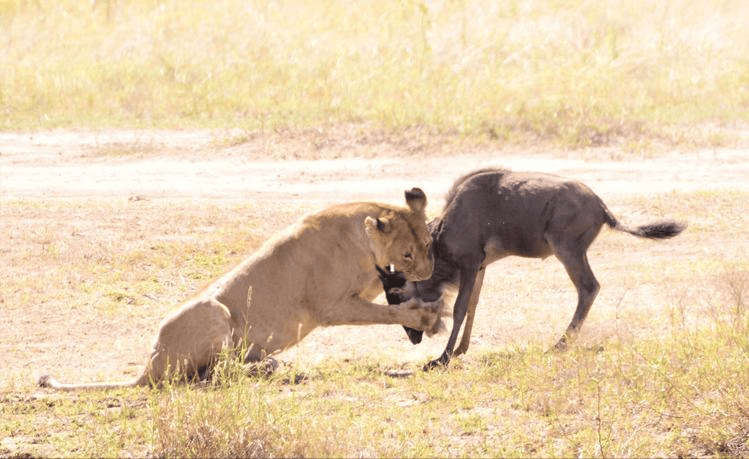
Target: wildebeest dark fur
x,y
396,292
494,213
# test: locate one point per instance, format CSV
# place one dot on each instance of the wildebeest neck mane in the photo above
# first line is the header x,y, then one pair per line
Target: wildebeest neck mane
x,y
460,181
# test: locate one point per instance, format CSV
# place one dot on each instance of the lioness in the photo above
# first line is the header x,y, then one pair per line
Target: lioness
x,y
320,271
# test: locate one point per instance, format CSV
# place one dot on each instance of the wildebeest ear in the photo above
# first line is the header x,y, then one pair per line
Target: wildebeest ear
x,y
376,224
416,200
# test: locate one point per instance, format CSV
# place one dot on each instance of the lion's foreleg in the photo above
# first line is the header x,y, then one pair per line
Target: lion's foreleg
x,y
356,311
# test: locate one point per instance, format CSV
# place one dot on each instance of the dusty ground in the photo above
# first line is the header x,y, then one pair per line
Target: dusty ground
x,y
101,191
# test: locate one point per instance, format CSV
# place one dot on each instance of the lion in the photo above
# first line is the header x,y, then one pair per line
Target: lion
x,y
321,271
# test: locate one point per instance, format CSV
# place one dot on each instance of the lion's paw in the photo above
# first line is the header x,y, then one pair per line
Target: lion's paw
x,y
438,325
430,314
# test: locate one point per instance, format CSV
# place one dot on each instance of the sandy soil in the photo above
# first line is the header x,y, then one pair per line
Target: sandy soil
x,y
311,170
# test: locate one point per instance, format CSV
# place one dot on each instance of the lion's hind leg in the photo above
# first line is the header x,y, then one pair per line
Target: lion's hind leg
x,y
189,342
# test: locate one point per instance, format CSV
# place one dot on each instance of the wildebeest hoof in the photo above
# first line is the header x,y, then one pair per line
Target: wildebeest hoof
x,y
435,364
561,345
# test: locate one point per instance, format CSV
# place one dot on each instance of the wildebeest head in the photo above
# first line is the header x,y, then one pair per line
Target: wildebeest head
x,y
398,290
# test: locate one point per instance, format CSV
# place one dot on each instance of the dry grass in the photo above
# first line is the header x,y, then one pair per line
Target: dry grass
x,y
676,389
680,395
576,73
661,368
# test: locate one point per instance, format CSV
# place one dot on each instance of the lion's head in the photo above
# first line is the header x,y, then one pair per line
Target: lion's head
x,y
400,237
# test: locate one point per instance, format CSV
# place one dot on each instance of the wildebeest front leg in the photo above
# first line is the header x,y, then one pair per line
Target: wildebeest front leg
x,y
467,282
466,338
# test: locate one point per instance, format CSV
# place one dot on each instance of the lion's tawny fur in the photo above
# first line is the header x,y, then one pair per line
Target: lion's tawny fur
x,y
320,271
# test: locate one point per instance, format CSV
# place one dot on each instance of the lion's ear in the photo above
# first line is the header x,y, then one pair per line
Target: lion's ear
x,y
416,200
373,225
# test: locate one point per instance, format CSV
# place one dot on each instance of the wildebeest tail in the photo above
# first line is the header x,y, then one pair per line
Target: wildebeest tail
x,y
658,230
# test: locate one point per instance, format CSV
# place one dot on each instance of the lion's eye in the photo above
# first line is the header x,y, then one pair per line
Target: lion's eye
x,y
408,256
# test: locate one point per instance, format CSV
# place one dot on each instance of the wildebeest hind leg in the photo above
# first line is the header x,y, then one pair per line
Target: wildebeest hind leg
x,y
466,338
587,286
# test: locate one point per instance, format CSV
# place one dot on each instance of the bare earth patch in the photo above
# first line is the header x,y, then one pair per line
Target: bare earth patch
x,y
96,191
154,215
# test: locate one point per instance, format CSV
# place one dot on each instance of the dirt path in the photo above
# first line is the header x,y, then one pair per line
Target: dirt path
x,y
195,164
209,168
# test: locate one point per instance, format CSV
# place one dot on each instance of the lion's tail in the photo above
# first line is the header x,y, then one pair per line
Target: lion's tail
x,y
658,230
52,383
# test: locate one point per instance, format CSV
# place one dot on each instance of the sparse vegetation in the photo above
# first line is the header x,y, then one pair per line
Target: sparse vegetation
x,y
679,395
676,389
575,74
661,397
662,368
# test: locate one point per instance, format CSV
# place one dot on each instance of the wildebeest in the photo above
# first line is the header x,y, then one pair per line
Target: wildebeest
x,y
494,213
